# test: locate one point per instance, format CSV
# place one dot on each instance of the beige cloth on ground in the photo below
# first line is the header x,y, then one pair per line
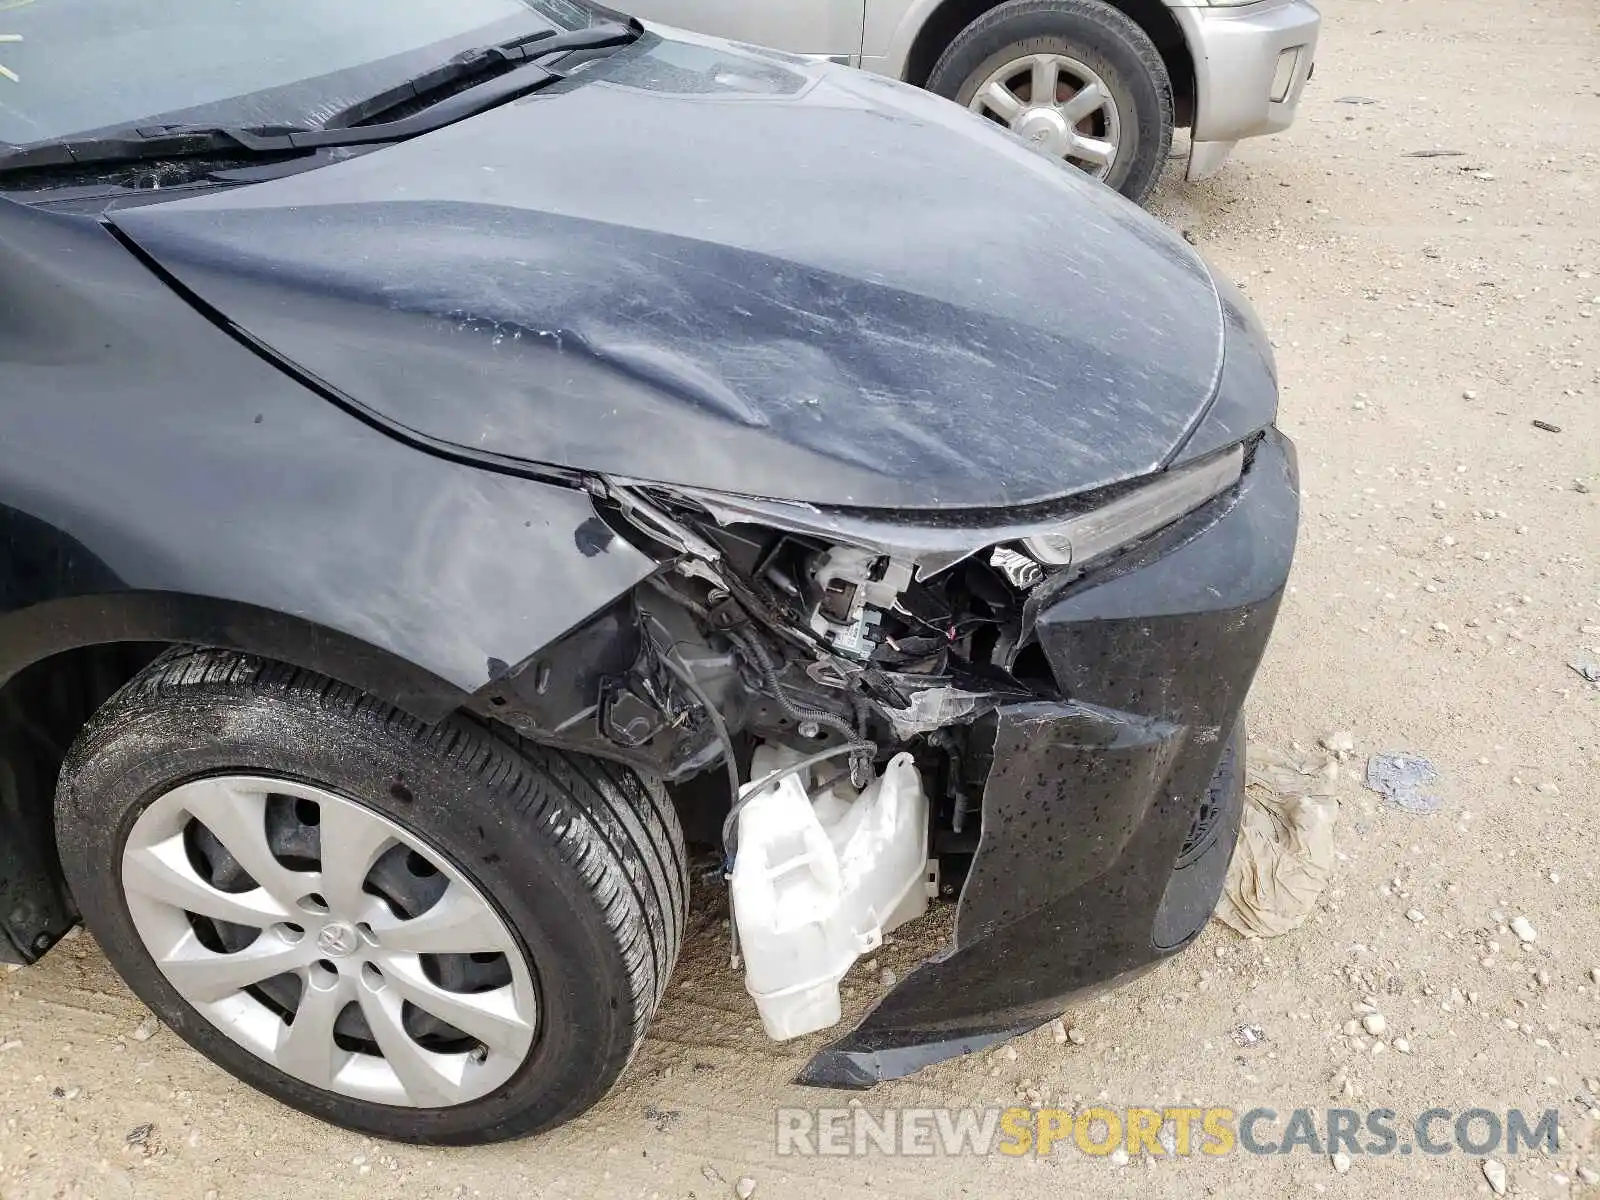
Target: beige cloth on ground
x,y
1285,852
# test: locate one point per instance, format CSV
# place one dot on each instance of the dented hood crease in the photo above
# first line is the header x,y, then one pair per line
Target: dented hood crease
x,y
698,265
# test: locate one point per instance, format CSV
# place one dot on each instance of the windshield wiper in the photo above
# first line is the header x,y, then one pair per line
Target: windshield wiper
x,y
486,62
508,70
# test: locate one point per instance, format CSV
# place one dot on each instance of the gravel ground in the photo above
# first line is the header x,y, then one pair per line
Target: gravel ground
x,y
1427,312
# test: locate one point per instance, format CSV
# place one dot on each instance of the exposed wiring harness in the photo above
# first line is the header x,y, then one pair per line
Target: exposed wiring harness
x,y
673,662
861,750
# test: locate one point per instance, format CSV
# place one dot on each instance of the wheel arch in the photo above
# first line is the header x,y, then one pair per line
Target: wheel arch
x,y
61,660
942,20
56,628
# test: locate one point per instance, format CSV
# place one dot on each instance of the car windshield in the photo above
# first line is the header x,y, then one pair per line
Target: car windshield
x,y
70,67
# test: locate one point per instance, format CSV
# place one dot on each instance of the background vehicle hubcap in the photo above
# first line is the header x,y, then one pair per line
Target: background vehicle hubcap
x,y
329,941
1057,105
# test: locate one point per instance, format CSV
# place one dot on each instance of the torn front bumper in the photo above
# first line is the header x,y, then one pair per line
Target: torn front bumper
x,y
1108,818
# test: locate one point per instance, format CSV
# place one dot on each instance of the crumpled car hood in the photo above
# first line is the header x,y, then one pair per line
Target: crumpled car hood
x,y
701,265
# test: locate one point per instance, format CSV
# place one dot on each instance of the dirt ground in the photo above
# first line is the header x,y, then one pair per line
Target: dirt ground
x,y
1427,310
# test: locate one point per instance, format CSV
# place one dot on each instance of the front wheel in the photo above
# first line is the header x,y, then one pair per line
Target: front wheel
x,y
1076,79
420,932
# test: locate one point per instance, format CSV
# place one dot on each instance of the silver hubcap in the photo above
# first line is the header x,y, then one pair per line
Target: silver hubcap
x,y
1058,106
330,942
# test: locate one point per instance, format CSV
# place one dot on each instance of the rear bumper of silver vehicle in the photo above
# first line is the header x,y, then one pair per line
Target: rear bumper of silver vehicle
x,y
1251,64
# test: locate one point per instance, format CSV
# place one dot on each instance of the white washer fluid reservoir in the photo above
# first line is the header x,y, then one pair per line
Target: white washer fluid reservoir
x,y
819,877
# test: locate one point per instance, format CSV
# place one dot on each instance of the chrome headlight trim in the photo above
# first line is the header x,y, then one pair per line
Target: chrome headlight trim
x,y
1140,510
1138,513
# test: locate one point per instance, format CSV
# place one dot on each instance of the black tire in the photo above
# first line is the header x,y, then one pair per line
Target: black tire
x,y
583,861
1103,39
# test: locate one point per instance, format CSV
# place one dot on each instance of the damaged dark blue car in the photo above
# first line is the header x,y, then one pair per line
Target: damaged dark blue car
x,y
457,462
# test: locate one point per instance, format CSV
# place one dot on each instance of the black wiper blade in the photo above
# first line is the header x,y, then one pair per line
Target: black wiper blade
x,y
484,62
140,144
508,70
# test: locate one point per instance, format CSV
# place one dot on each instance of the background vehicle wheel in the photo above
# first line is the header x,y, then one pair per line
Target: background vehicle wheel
x,y
420,932
1076,78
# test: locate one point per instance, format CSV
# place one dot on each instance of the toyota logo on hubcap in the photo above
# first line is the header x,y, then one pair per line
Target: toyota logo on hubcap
x,y
337,939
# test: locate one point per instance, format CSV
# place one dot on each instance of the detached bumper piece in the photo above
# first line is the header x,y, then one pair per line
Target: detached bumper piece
x,y
1108,819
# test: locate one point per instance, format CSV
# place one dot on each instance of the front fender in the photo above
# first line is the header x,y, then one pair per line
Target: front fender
x,y
891,31
160,480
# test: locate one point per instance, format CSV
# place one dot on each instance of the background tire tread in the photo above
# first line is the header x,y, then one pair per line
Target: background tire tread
x,y
1115,29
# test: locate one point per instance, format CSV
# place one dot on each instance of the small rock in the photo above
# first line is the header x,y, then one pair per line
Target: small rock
x,y
1340,742
1008,1052
1469,394
745,1188
1058,1030
1589,1175
1077,1038
1341,1162
1524,929
887,978
1548,789
1546,426
146,1029
12,1044
1495,1173
1119,1157
664,1118
1414,915
1402,1046
1248,1035
1594,975
1374,1024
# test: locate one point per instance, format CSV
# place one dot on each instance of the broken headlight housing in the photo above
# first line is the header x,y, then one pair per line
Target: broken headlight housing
x,y
914,592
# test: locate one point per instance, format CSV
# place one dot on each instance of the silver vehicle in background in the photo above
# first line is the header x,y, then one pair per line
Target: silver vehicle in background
x,y
1099,83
